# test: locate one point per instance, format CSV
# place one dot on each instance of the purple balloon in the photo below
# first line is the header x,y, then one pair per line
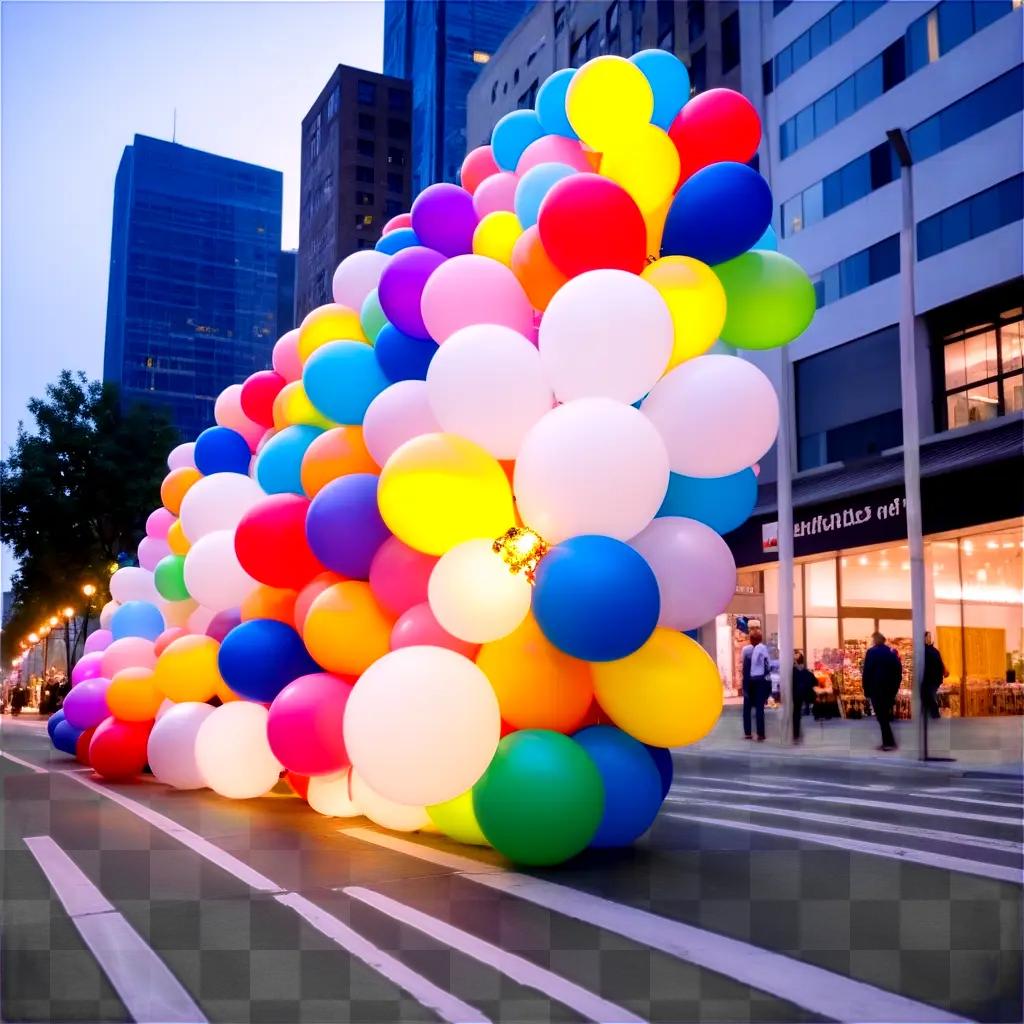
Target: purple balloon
x,y
402,284
444,219
98,640
88,667
344,527
86,705
222,623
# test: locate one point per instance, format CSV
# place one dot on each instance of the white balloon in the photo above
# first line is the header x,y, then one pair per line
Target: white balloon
x,y
171,751
217,502
606,333
422,726
177,613
717,415
357,275
212,573
386,813
694,568
233,754
486,383
133,584
182,456
474,596
332,794
107,613
398,414
591,466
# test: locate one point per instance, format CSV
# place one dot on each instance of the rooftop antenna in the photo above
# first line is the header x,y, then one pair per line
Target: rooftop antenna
x,y
174,127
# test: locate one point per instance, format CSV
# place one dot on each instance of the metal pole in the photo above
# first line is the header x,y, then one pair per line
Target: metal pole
x,y
784,490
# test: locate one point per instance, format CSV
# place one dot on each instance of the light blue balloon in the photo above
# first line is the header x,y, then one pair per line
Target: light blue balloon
x,y
511,135
670,81
533,186
342,378
769,240
551,104
395,241
279,465
137,618
721,502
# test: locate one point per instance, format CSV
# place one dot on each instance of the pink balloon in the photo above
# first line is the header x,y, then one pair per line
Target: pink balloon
x,y
396,415
90,664
473,289
200,619
227,411
498,192
304,727
159,522
418,628
478,166
151,550
553,149
399,575
128,652
285,358
756,468
98,640
222,623
182,456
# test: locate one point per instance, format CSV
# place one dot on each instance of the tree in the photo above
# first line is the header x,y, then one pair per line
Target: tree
x,y
76,494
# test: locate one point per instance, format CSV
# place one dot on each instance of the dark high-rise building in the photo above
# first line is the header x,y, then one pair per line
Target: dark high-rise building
x,y
287,270
441,47
193,295
355,174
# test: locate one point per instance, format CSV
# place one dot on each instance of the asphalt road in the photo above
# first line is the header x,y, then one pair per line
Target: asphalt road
x,y
768,890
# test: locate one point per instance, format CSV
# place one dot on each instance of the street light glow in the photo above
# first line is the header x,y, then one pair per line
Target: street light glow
x,y
54,621
33,638
89,590
69,612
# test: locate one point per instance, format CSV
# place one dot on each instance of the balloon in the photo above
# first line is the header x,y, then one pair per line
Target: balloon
x,y
512,134
444,219
222,623
86,705
472,290
269,603
694,567
309,593
345,629
770,300
357,275
486,384
344,527
176,613
535,184
498,192
129,652
166,638
137,618
118,749
418,627
232,752
132,696
65,738
595,598
98,640
132,584
82,746
716,414
176,539
333,454
455,818
332,322
667,694
53,721
292,407
285,357
271,544
260,657
607,98
169,578
478,165
402,357
719,213
401,286
332,795
590,466
541,800
395,241
213,574
342,379
386,813
438,490
588,222
187,669
199,619
151,551
531,264
397,415
258,394
182,457
371,316
695,299
663,762
721,502
218,502
305,724
769,241
279,464
158,523
670,83
717,125
221,450
632,784
400,220
645,164
89,666
107,613
171,750
399,575
537,686
495,236
422,725
551,103
553,149
299,784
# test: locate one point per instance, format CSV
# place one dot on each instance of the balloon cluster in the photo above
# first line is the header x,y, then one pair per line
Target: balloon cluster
x,y
439,562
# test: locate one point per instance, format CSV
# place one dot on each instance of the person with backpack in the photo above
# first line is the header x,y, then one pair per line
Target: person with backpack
x,y
757,682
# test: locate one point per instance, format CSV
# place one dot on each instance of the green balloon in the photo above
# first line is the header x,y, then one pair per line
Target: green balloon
x,y
769,299
169,578
371,316
541,800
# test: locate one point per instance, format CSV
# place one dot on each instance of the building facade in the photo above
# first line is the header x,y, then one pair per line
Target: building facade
x,y
287,274
192,300
355,174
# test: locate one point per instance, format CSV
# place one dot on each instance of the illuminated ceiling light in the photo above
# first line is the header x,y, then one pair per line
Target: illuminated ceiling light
x,y
905,566
968,547
480,57
863,560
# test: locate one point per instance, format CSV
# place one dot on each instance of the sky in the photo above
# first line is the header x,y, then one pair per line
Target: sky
x,y
78,81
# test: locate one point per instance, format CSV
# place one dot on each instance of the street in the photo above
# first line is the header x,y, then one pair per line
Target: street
x,y
770,889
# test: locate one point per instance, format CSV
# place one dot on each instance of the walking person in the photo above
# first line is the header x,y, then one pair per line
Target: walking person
x,y
935,672
880,677
18,699
804,684
757,682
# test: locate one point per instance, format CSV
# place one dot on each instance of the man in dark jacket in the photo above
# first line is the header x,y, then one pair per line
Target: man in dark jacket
x,y
934,673
880,678
803,691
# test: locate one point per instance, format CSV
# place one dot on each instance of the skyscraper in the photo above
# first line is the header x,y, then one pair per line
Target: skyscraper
x,y
193,294
441,47
287,272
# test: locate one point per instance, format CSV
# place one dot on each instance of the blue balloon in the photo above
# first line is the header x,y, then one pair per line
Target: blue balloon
x,y
769,240
402,357
511,135
551,104
669,80
533,186
596,598
344,527
65,737
260,657
721,502
137,618
719,213
342,378
221,450
279,465
53,721
663,762
632,784
395,241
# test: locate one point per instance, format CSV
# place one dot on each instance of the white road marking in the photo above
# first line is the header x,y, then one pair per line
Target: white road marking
x,y
795,784
561,990
988,802
146,986
23,763
815,989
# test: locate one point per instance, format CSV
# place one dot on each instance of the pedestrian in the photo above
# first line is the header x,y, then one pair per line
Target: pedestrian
x,y
935,672
18,699
880,676
757,682
804,685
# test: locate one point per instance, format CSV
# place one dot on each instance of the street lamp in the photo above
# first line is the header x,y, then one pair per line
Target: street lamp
x,y
89,590
33,638
69,614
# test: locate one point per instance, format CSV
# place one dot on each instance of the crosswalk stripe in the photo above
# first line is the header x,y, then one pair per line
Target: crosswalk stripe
x,y
988,802
795,784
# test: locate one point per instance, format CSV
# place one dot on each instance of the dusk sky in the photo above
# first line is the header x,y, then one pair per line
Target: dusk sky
x,y
79,80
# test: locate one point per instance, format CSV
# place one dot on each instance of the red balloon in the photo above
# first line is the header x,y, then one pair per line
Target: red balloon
x,y
166,638
82,746
716,125
400,220
118,749
299,783
479,164
587,222
310,592
271,545
258,394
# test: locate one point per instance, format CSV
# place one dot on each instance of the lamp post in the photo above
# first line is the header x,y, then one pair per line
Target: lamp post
x,y
69,614
89,590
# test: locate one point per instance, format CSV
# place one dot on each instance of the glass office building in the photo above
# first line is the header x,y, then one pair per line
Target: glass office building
x,y
192,304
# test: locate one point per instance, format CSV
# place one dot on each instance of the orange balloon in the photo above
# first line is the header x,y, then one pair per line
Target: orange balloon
x,y
224,693
133,696
346,630
335,453
176,485
269,603
176,539
539,277
537,685
331,322
310,592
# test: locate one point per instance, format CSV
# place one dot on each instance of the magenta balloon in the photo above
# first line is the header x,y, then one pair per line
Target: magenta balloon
x,y
305,724
399,575
99,640
222,623
419,628
444,219
88,666
159,522
402,284
86,705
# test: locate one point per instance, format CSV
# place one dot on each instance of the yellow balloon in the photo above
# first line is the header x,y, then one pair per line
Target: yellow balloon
x,y
666,694
456,819
496,234
332,322
439,490
645,162
176,539
133,696
608,98
187,669
695,298
292,405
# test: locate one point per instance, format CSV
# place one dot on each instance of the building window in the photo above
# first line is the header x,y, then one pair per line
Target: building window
x,y
593,42
983,371
367,123
858,271
559,20
699,71
529,98
731,42
314,138
366,93
480,57
398,129
363,220
515,77
611,18
636,13
364,199
396,182
364,174
365,147
398,101
396,156
778,6
987,211
332,102
577,53
694,19
494,92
